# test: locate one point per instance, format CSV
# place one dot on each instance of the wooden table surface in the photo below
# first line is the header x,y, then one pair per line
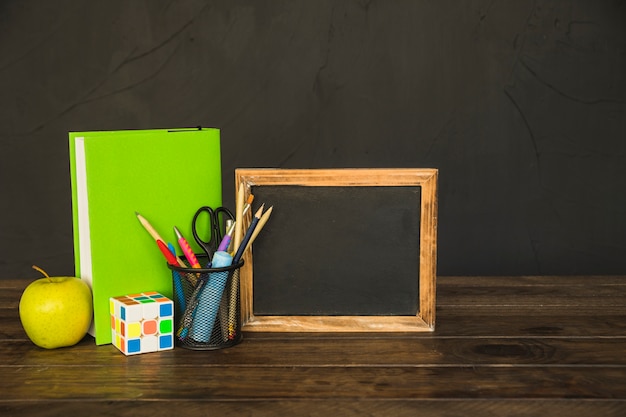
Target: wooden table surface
x,y
514,346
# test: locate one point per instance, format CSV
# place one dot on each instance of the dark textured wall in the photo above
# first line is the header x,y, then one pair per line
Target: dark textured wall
x,y
520,104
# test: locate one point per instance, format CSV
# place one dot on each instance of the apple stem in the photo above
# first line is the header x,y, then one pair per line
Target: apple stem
x,y
35,267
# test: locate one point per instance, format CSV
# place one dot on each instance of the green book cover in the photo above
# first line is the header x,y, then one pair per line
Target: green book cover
x,y
163,174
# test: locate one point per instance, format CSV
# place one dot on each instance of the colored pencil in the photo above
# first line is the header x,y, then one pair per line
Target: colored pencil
x,y
238,218
155,235
244,242
259,227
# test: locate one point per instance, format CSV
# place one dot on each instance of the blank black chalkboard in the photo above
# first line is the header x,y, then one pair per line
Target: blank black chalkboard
x,y
348,250
338,251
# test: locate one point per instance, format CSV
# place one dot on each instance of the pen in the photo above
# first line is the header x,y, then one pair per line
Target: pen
x,y
223,310
171,248
189,311
191,257
227,238
179,291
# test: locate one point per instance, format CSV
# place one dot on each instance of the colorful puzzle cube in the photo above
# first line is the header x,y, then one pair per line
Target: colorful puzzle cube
x,y
142,323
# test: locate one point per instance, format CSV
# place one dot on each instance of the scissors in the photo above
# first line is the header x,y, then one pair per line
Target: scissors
x,y
217,228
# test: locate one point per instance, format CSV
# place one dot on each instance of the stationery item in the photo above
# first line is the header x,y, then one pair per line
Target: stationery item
x,y
209,299
239,207
113,175
244,242
178,283
191,257
217,228
248,204
146,225
155,235
253,231
224,317
171,247
169,256
234,245
189,310
264,218
227,238
246,208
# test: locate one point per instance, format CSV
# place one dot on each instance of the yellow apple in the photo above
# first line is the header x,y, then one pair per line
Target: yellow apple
x,y
56,311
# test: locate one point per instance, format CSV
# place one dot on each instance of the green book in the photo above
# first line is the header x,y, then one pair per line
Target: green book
x,y
164,175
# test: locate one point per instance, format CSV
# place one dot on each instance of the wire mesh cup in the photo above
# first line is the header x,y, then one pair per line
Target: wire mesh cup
x,y
207,306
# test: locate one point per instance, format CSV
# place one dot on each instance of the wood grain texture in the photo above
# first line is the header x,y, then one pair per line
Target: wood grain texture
x,y
492,354
335,382
414,407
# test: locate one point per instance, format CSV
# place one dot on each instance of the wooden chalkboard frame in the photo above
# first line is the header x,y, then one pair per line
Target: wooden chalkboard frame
x,y
425,178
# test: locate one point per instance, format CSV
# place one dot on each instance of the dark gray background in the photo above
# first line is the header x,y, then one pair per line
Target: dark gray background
x,y
519,104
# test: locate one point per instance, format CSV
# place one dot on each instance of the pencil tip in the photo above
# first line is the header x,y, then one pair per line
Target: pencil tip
x,y
268,212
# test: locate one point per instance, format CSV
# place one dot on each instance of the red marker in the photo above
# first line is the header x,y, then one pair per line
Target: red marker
x,y
171,258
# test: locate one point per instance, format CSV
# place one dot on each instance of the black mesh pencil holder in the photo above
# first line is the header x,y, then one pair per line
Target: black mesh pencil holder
x,y
207,306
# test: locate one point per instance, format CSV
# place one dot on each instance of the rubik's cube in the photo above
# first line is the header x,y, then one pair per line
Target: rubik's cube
x,y
142,323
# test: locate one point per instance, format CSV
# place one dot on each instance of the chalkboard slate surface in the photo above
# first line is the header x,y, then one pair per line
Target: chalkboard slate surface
x,y
344,250
338,251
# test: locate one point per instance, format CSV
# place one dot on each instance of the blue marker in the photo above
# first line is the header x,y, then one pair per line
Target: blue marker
x,y
209,299
178,284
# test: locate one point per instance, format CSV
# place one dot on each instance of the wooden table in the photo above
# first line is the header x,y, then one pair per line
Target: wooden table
x,y
514,346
